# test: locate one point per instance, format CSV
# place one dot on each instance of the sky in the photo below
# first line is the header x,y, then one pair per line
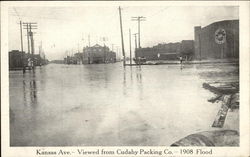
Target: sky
x,y
65,30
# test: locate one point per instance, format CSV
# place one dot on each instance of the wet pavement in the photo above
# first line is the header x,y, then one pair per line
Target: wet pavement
x,y
109,105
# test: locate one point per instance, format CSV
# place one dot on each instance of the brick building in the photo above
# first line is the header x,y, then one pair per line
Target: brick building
x,y
169,51
98,54
217,40
18,59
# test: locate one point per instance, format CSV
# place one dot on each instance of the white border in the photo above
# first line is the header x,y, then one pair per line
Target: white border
x,y
244,6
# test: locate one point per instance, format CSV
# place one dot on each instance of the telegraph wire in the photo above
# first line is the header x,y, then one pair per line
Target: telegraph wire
x,y
17,13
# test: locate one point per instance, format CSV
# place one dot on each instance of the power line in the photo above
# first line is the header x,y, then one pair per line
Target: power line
x,y
30,36
40,17
29,26
17,13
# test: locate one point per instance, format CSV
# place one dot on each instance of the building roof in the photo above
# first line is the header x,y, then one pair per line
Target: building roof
x,y
97,45
222,22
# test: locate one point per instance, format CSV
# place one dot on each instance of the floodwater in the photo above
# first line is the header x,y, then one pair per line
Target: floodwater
x,y
109,105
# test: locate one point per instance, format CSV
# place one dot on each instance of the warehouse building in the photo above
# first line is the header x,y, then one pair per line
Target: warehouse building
x,y
98,54
18,59
167,51
218,40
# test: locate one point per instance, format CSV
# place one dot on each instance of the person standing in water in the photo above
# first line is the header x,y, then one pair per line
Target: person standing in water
x,y
181,59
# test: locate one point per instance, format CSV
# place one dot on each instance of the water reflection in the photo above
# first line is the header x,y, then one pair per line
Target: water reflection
x,y
108,104
139,81
131,74
33,90
30,88
24,91
124,81
139,74
128,78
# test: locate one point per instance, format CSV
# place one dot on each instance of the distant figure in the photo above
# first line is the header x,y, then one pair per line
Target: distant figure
x,y
181,59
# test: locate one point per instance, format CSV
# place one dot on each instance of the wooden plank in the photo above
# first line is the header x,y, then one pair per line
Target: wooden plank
x,y
222,113
220,88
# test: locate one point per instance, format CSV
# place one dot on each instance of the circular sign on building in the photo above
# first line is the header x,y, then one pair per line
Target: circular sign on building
x,y
220,36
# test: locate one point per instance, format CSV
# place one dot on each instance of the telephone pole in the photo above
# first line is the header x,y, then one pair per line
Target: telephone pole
x,y
112,46
104,46
89,39
139,19
28,40
22,53
117,53
30,26
123,52
78,47
135,43
130,47
21,33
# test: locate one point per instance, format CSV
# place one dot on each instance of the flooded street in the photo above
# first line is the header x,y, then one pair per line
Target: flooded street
x,y
109,105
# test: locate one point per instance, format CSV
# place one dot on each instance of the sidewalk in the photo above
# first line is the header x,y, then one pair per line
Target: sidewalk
x,y
158,62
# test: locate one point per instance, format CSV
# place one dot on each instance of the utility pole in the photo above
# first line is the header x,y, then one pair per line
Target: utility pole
x,y
21,33
130,47
32,45
123,52
89,39
117,53
32,48
22,53
28,41
78,47
135,43
112,47
104,46
29,26
139,19
200,45
32,42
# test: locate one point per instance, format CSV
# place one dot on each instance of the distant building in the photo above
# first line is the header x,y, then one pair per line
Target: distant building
x,y
78,58
18,59
98,54
217,40
159,52
57,61
187,49
167,51
70,60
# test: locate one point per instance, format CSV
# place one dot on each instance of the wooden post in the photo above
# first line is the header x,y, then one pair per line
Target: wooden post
x,y
123,52
135,44
28,41
200,44
22,55
130,47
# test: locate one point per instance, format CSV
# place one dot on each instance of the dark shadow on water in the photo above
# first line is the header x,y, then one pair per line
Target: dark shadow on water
x,y
24,122
124,81
139,81
30,89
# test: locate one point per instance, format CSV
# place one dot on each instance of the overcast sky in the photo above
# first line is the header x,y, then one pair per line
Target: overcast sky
x,y
61,28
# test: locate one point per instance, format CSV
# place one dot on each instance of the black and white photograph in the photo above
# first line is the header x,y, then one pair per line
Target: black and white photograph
x,y
125,74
